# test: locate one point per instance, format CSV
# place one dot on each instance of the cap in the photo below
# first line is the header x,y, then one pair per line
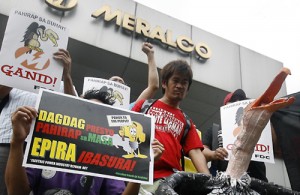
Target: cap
x,y
227,98
237,95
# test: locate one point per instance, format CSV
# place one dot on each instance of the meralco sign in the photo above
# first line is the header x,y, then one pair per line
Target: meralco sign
x,y
62,5
142,27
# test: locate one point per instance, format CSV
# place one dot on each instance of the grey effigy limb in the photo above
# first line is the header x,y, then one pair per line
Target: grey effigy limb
x,y
256,116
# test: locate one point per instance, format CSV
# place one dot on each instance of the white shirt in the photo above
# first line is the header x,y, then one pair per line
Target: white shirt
x,y
17,98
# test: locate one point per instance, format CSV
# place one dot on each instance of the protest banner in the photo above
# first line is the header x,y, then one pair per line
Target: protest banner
x,y
81,136
119,93
231,120
26,57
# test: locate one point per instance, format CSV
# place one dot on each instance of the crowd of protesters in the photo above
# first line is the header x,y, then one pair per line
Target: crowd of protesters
x,y
174,132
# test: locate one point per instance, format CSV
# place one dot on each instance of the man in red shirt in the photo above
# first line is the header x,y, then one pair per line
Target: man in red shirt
x,y
170,123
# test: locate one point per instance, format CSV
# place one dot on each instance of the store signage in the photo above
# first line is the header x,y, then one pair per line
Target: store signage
x,y
142,27
62,5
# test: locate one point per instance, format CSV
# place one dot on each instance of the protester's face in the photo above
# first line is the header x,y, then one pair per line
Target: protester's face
x,y
117,79
177,87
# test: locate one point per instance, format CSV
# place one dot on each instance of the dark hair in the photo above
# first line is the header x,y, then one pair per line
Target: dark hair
x,y
176,66
237,95
102,96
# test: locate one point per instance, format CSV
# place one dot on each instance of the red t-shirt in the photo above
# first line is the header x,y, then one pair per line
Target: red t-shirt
x,y
169,127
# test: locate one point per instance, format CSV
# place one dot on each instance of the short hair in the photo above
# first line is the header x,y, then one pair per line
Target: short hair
x,y
117,79
176,66
102,96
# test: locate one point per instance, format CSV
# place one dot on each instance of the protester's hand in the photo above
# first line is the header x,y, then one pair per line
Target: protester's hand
x,y
147,48
158,149
220,154
21,121
64,56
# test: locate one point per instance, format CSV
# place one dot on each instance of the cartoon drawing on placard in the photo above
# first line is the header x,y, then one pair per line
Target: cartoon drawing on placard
x,y
113,95
31,39
238,120
36,32
136,136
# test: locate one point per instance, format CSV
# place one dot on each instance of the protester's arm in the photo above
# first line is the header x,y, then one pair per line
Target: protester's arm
x,y
153,79
4,91
199,160
218,154
132,189
158,149
210,155
64,56
15,176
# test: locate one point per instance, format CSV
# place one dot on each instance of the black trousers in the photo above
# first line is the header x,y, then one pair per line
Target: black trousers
x,y
4,152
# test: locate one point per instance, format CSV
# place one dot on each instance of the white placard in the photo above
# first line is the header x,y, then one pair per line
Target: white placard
x,y
26,57
231,115
119,93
